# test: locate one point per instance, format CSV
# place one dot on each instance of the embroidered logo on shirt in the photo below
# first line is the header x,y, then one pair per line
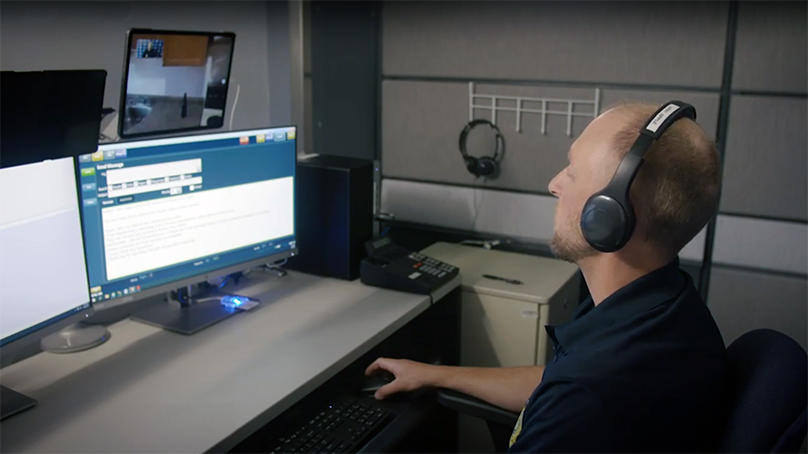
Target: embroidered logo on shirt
x,y
517,428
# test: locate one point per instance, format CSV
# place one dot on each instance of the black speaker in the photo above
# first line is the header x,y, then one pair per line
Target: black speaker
x,y
334,198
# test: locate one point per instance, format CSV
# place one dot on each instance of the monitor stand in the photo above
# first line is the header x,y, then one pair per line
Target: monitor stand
x,y
12,402
75,338
189,317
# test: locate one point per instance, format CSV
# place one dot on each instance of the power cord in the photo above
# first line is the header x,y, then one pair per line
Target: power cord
x,y
276,268
235,103
476,204
224,282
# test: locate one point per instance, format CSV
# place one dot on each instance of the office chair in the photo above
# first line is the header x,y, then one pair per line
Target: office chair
x,y
767,372
768,376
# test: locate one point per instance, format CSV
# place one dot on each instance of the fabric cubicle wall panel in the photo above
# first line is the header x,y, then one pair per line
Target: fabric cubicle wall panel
x,y
771,51
742,300
421,122
766,164
557,41
761,243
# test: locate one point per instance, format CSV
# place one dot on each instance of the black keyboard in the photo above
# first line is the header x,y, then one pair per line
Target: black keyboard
x,y
338,428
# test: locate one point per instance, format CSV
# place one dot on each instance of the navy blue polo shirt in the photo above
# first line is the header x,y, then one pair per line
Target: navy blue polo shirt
x,y
642,371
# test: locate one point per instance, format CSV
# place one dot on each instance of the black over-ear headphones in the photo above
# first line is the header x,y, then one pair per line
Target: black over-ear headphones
x,y
484,166
608,221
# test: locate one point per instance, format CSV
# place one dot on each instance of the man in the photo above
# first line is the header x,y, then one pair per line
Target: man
x,y
641,366
149,52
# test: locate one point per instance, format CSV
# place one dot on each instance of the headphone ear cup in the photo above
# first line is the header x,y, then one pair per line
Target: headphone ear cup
x,y
605,224
471,164
486,166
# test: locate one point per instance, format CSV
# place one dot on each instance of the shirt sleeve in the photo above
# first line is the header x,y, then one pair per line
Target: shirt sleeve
x,y
564,416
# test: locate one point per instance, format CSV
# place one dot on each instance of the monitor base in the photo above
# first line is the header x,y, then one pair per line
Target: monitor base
x,y
75,338
12,402
185,319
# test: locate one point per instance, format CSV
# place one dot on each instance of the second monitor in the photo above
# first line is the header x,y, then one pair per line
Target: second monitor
x,y
162,214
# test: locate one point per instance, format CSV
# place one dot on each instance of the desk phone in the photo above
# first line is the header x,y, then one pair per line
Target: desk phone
x,y
391,266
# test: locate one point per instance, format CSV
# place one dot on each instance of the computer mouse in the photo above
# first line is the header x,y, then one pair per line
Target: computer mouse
x,y
374,382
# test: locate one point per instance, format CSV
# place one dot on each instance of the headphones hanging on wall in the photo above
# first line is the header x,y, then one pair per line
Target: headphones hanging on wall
x,y
486,165
608,220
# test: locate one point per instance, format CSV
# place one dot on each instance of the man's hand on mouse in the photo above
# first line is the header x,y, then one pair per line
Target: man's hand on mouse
x,y
410,375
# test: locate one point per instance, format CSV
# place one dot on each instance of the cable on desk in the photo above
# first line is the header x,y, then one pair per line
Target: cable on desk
x,y
224,281
276,267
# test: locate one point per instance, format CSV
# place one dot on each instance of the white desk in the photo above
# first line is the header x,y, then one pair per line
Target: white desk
x,y
147,390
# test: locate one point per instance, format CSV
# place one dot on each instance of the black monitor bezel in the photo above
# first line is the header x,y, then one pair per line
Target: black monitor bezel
x,y
125,81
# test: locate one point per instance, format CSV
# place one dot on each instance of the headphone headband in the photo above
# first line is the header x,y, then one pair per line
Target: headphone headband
x,y
653,129
473,124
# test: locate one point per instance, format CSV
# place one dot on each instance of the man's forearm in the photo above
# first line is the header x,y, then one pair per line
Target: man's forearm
x,y
506,387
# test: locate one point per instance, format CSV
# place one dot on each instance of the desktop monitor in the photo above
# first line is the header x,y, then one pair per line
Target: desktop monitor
x,y
42,263
49,114
161,214
174,81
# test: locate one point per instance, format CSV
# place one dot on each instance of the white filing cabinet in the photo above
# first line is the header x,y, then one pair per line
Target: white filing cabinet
x,y
502,323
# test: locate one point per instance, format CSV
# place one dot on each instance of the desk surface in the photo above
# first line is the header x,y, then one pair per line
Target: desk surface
x,y
150,390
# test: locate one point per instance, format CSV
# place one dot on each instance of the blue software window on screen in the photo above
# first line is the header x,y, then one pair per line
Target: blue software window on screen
x,y
158,211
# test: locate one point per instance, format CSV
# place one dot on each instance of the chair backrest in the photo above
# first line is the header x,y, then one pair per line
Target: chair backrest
x,y
768,394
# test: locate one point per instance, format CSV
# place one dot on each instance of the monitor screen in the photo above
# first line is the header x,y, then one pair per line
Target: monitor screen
x,y
174,81
41,250
160,211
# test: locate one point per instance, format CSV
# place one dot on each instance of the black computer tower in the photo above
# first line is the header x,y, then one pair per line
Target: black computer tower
x,y
334,215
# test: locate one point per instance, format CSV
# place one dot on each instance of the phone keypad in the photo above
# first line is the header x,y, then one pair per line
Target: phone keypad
x,y
430,266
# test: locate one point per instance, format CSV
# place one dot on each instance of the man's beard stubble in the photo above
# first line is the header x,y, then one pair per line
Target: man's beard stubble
x,y
569,244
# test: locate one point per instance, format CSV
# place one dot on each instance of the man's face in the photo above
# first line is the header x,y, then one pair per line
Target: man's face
x,y
591,165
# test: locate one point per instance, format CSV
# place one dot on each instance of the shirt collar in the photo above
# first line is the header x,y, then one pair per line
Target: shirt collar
x,y
639,296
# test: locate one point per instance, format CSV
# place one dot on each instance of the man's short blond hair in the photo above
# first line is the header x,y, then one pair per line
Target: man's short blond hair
x,y
677,189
